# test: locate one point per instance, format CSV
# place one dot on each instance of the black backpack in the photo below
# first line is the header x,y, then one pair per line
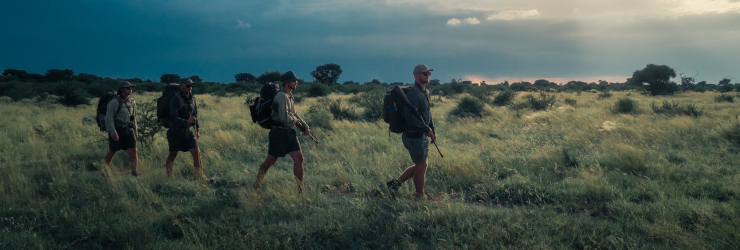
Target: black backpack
x,y
103,108
393,111
163,104
261,110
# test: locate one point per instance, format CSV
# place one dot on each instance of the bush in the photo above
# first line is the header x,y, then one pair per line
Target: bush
x,y
571,101
724,88
341,112
147,121
72,94
543,102
504,98
468,107
724,98
604,95
674,108
316,90
319,116
372,102
732,133
625,106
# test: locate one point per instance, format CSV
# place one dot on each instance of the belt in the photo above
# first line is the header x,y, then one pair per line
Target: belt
x,y
413,134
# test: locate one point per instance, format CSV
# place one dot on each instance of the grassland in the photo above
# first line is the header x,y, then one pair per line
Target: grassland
x,y
576,176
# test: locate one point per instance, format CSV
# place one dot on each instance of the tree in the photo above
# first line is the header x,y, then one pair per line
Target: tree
x,y
169,78
725,81
15,72
327,73
658,79
270,76
196,79
245,77
55,75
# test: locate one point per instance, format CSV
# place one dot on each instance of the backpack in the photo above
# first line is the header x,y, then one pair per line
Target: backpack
x,y
163,104
261,110
393,111
103,108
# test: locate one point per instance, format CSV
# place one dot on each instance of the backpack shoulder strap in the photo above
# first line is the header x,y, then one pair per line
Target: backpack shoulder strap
x,y
121,102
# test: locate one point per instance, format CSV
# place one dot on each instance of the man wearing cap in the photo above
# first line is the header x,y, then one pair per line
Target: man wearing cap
x,y
120,123
283,139
418,132
183,119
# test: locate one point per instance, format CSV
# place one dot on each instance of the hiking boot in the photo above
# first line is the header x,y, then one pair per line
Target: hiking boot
x,y
393,186
134,174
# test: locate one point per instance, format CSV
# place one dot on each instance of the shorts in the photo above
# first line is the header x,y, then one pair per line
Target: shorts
x,y
418,147
181,140
126,140
282,142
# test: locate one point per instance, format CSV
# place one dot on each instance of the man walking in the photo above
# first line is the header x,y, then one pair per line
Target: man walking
x,y
120,123
283,139
180,136
416,136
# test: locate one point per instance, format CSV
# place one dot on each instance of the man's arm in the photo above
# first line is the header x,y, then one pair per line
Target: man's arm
x,y
283,117
412,121
110,125
174,110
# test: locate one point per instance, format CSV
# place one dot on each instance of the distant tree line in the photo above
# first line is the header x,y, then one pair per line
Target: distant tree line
x,y
75,89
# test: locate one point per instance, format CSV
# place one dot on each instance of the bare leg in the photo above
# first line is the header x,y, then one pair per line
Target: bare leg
x,y
197,163
133,159
269,161
170,163
418,172
109,157
298,167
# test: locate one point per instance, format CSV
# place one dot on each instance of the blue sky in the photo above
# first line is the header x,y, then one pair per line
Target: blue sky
x,y
491,40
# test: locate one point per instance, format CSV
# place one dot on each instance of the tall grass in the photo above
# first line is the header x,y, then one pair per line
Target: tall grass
x,y
559,178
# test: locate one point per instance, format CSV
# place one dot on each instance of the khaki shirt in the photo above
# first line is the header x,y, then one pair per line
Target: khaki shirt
x,y
283,107
123,117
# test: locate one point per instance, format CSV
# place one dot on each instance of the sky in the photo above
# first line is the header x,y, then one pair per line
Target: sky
x,y
477,40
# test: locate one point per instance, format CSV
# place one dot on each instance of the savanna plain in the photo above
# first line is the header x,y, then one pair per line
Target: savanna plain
x,y
577,175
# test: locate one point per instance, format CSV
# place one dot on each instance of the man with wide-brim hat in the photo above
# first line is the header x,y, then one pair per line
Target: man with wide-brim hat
x,y
183,132
120,123
283,138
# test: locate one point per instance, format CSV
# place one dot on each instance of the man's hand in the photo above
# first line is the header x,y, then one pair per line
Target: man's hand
x,y
432,135
306,131
197,135
191,120
114,137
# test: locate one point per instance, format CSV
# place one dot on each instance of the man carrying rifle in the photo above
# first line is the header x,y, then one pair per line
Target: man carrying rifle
x,y
418,131
183,120
283,139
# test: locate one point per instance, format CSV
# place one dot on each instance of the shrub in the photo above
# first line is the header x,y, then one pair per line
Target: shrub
x,y
674,108
72,94
625,106
147,121
316,90
341,112
604,95
504,98
732,133
468,107
571,101
724,98
543,102
372,102
724,88
319,116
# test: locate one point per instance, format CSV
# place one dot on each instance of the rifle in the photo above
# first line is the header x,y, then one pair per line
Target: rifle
x,y
309,134
396,91
195,105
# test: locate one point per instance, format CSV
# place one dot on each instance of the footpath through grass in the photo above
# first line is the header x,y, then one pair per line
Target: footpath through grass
x,y
578,175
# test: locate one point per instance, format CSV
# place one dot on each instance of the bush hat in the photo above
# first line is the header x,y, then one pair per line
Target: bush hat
x,y
125,84
421,68
289,77
186,81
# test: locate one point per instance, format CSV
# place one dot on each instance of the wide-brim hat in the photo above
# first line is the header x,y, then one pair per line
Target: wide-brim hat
x,y
125,84
421,68
289,77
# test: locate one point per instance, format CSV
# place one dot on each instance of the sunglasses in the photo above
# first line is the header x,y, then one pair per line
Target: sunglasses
x,y
426,73
190,86
126,88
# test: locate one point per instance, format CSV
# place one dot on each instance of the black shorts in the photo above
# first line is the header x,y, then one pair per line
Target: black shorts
x,y
181,140
126,140
282,142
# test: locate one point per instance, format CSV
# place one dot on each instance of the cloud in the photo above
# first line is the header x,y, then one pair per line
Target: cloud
x,y
469,20
243,24
513,14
